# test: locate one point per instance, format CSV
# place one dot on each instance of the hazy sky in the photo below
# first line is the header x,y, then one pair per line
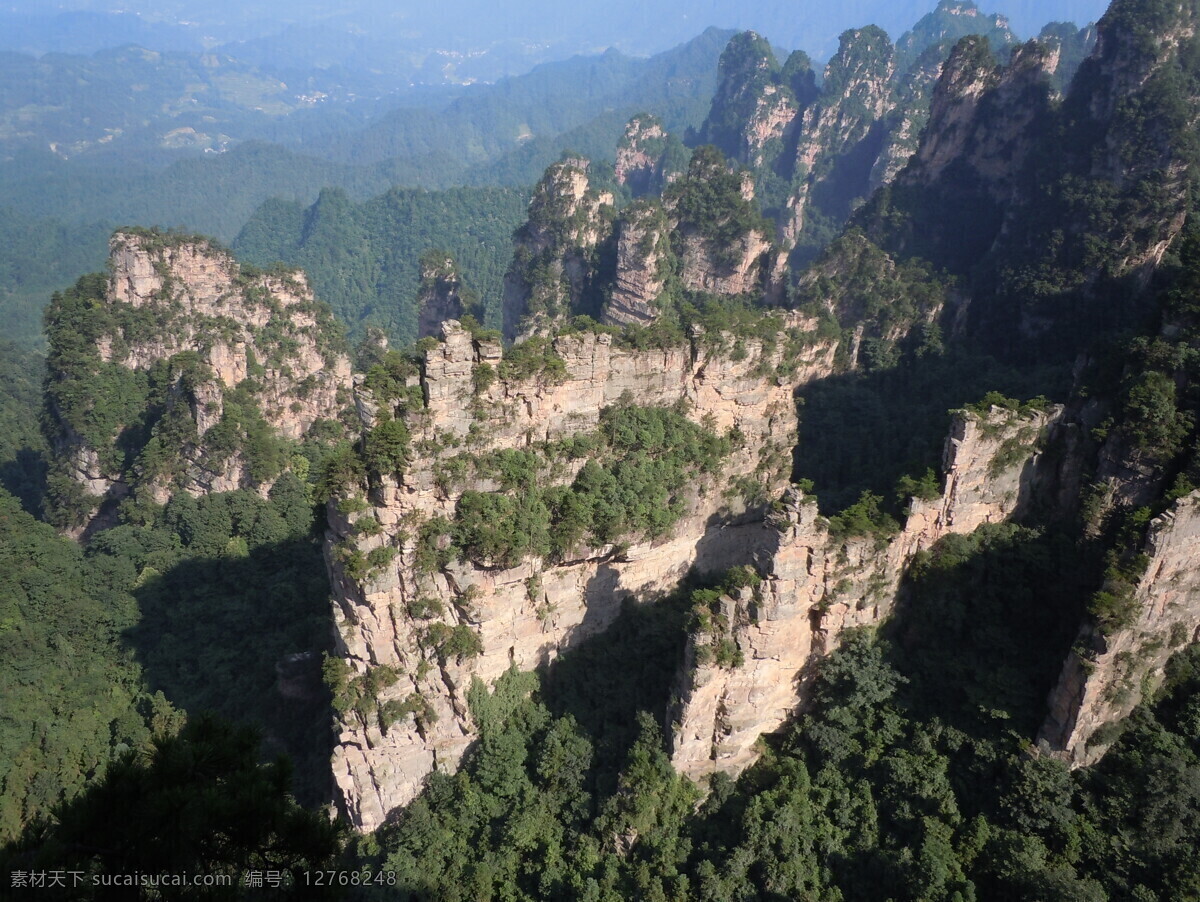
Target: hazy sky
x,y
637,26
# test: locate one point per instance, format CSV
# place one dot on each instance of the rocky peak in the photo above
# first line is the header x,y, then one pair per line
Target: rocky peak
x,y
644,261
719,237
754,103
550,269
860,71
856,93
642,156
1073,46
440,296
981,114
564,208
816,583
950,21
1135,39
190,372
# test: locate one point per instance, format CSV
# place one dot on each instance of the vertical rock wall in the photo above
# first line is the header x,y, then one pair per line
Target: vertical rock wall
x,y
526,614
815,586
1107,676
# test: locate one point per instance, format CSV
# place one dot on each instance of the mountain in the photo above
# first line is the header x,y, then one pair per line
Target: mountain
x,y
639,429
464,40
714,573
819,152
118,159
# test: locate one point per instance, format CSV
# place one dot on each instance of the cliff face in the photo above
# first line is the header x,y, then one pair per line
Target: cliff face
x,y
644,156
551,264
983,116
1107,676
477,547
643,258
815,585
524,612
717,236
159,380
856,94
1011,187
440,297
739,267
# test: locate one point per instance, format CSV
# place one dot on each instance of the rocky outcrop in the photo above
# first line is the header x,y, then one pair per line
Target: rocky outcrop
x,y
754,104
440,298
719,239
982,116
1108,675
740,267
906,121
197,327
855,95
641,156
949,22
526,613
550,269
643,258
816,584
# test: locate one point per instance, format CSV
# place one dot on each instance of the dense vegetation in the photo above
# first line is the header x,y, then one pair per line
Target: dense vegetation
x,y
202,604
139,422
22,446
198,806
363,258
634,482
907,779
72,693
709,202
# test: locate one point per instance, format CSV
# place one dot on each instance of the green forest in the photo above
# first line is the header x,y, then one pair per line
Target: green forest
x,y
363,258
908,778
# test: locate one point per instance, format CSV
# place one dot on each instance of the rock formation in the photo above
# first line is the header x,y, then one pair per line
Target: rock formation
x,y
525,614
1106,676
440,297
645,156
643,257
196,351
754,104
719,239
444,571
815,585
550,269
982,115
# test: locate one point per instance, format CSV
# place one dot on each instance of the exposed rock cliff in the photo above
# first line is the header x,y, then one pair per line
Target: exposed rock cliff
x,y
756,101
180,370
551,267
475,543
644,257
440,297
999,156
647,157
523,611
1106,676
719,238
815,585
982,116
855,94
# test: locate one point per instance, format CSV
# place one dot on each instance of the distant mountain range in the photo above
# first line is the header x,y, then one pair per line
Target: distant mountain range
x,y
466,40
